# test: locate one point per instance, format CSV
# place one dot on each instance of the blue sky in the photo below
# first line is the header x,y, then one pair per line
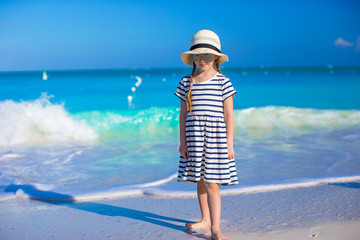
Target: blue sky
x,y
48,35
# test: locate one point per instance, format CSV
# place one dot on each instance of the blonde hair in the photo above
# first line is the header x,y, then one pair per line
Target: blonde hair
x,y
189,95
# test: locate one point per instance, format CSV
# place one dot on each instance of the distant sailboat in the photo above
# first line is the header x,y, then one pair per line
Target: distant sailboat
x,y
45,76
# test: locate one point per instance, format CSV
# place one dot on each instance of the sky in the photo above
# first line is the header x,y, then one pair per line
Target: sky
x,y
60,35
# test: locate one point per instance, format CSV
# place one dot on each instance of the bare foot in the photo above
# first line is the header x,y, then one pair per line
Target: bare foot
x,y
201,224
219,236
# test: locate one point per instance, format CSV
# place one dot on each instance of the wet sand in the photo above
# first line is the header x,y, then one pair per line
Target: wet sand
x,y
328,211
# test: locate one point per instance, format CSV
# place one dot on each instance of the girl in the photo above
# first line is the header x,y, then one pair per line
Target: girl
x,y
206,128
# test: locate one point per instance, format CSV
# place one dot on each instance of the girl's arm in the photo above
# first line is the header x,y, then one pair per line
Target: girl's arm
x,y
229,122
183,146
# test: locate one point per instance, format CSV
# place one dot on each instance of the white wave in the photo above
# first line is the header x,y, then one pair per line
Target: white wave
x,y
44,193
138,190
273,121
159,182
291,185
126,191
39,122
10,155
255,189
6,196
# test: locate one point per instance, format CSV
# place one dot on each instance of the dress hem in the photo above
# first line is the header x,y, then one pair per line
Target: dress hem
x,y
209,181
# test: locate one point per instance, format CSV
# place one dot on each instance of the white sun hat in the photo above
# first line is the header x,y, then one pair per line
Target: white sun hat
x,y
204,41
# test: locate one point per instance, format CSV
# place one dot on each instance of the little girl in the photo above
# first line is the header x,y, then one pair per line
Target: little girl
x,y
206,128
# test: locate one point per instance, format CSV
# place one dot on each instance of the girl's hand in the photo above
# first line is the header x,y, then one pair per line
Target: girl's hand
x,y
231,153
184,151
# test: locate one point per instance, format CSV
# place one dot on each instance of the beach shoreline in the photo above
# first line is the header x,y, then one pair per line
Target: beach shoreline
x,y
325,211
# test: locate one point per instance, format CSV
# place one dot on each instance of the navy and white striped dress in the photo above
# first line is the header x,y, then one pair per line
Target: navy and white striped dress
x,y
206,132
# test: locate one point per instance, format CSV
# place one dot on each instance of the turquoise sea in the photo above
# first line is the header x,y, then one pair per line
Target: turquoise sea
x,y
87,134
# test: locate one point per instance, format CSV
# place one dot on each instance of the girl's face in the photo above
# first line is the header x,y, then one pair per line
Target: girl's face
x,y
204,61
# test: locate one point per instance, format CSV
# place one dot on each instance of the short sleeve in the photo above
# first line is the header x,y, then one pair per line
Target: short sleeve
x,y
227,89
181,90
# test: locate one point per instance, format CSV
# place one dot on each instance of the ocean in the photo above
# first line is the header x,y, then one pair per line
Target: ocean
x,y
91,134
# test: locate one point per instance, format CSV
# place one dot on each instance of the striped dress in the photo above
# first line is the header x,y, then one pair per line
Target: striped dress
x,y
206,132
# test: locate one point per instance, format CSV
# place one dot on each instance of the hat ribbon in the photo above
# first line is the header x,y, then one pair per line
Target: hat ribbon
x,y
204,45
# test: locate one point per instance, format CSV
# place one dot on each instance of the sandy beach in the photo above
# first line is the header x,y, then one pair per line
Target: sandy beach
x,y
327,211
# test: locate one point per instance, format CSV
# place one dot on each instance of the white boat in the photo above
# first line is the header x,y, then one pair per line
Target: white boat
x,y
45,76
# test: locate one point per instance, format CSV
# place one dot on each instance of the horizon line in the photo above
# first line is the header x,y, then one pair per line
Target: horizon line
x,y
261,67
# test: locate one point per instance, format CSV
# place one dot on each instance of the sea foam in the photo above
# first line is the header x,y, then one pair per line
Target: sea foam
x,y
40,122
154,189
273,121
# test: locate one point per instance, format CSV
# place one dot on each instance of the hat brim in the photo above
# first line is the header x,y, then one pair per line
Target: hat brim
x,y
186,58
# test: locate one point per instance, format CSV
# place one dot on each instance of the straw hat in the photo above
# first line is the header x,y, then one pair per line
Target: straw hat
x,y
204,41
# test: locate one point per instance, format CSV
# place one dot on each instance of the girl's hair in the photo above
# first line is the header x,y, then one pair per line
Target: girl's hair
x,y
189,95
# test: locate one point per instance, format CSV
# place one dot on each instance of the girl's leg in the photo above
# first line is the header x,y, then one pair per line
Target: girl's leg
x,y
204,207
214,203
